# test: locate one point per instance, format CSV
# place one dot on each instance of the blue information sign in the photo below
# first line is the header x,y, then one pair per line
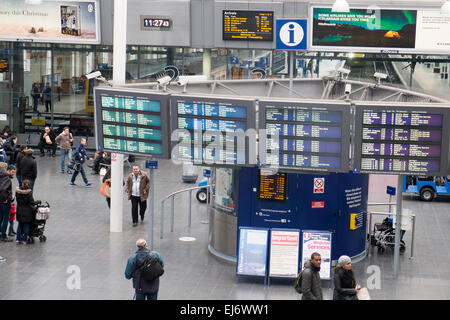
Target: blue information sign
x,y
390,190
291,34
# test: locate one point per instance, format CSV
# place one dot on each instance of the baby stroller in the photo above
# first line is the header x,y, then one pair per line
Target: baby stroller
x,y
38,225
384,236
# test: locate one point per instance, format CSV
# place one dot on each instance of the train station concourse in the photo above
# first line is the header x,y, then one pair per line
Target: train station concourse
x,y
247,151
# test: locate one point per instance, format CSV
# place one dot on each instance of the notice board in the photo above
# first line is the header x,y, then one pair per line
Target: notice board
x,y
284,253
252,252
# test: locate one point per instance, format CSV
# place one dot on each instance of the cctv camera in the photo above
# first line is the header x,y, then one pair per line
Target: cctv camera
x,y
94,75
348,88
344,71
380,75
164,80
182,82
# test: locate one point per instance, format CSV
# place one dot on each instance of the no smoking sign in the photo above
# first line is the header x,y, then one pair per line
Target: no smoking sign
x,y
319,185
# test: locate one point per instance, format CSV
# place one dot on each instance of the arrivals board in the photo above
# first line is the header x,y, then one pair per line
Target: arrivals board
x,y
304,136
410,139
211,130
273,187
247,25
132,121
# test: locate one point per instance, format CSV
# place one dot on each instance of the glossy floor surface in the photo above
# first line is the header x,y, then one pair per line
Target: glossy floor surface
x,y
81,259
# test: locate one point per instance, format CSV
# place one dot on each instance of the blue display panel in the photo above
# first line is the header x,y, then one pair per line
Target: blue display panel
x,y
211,130
410,139
132,121
305,136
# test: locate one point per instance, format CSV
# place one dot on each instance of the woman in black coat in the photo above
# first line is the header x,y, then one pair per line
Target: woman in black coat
x,y
25,211
345,287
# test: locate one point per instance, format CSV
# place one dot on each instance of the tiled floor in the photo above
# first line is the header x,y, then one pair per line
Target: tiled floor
x,y
79,239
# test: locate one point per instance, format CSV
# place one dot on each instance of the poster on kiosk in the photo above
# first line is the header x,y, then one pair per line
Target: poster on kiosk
x,y
320,242
284,253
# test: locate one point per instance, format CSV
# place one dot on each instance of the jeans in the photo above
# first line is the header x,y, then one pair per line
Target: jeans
x,y
4,156
5,210
11,227
135,202
147,296
25,228
64,154
83,175
35,104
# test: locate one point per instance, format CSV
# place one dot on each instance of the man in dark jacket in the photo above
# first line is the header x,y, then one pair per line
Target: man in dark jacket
x,y
144,290
47,141
20,156
311,287
5,200
10,146
80,157
28,167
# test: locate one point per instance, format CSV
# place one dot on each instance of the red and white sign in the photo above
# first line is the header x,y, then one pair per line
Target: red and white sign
x,y
318,204
284,253
319,185
113,157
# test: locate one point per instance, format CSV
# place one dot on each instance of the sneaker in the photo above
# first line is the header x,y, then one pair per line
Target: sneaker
x,y
2,259
72,183
135,224
69,172
19,242
88,184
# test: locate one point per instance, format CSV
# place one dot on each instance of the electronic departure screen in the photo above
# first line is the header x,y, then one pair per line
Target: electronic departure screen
x,y
305,136
404,140
273,187
211,130
132,122
247,25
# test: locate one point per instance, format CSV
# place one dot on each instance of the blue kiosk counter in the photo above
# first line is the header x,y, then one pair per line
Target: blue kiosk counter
x,y
245,197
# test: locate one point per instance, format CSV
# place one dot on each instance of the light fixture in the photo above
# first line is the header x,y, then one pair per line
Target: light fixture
x,y
445,9
340,6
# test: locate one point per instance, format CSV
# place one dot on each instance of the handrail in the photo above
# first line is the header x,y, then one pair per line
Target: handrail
x,y
172,196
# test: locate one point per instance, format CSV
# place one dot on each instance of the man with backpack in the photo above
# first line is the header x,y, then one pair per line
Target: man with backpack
x,y
308,281
145,267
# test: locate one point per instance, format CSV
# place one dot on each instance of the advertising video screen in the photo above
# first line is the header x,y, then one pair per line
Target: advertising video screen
x,y
211,130
409,140
304,136
374,29
132,121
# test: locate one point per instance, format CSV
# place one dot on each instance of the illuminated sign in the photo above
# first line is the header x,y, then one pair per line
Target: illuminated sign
x,y
311,137
273,187
4,65
156,23
247,25
403,140
132,121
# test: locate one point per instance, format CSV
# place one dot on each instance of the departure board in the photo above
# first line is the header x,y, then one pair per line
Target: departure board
x,y
305,136
132,121
211,130
410,139
273,187
247,25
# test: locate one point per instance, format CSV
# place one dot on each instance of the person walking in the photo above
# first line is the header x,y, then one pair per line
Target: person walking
x,y
28,168
345,286
47,140
25,211
145,290
47,96
35,95
20,155
311,287
137,188
5,200
65,140
80,157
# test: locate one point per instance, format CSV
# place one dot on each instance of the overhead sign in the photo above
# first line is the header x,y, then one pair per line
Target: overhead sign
x,y
132,121
247,25
304,136
291,34
377,29
252,252
50,21
284,253
409,139
211,130
320,242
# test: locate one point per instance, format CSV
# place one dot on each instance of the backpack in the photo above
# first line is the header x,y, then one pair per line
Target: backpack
x,y
298,283
151,268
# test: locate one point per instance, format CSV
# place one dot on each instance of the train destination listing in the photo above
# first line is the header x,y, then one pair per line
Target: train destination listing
x,y
247,25
273,187
401,141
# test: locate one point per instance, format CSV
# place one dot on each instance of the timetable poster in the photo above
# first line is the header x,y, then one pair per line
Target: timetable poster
x,y
252,256
404,140
284,253
132,121
304,136
212,131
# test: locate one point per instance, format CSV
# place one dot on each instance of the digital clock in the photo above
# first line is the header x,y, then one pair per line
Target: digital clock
x,y
157,23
